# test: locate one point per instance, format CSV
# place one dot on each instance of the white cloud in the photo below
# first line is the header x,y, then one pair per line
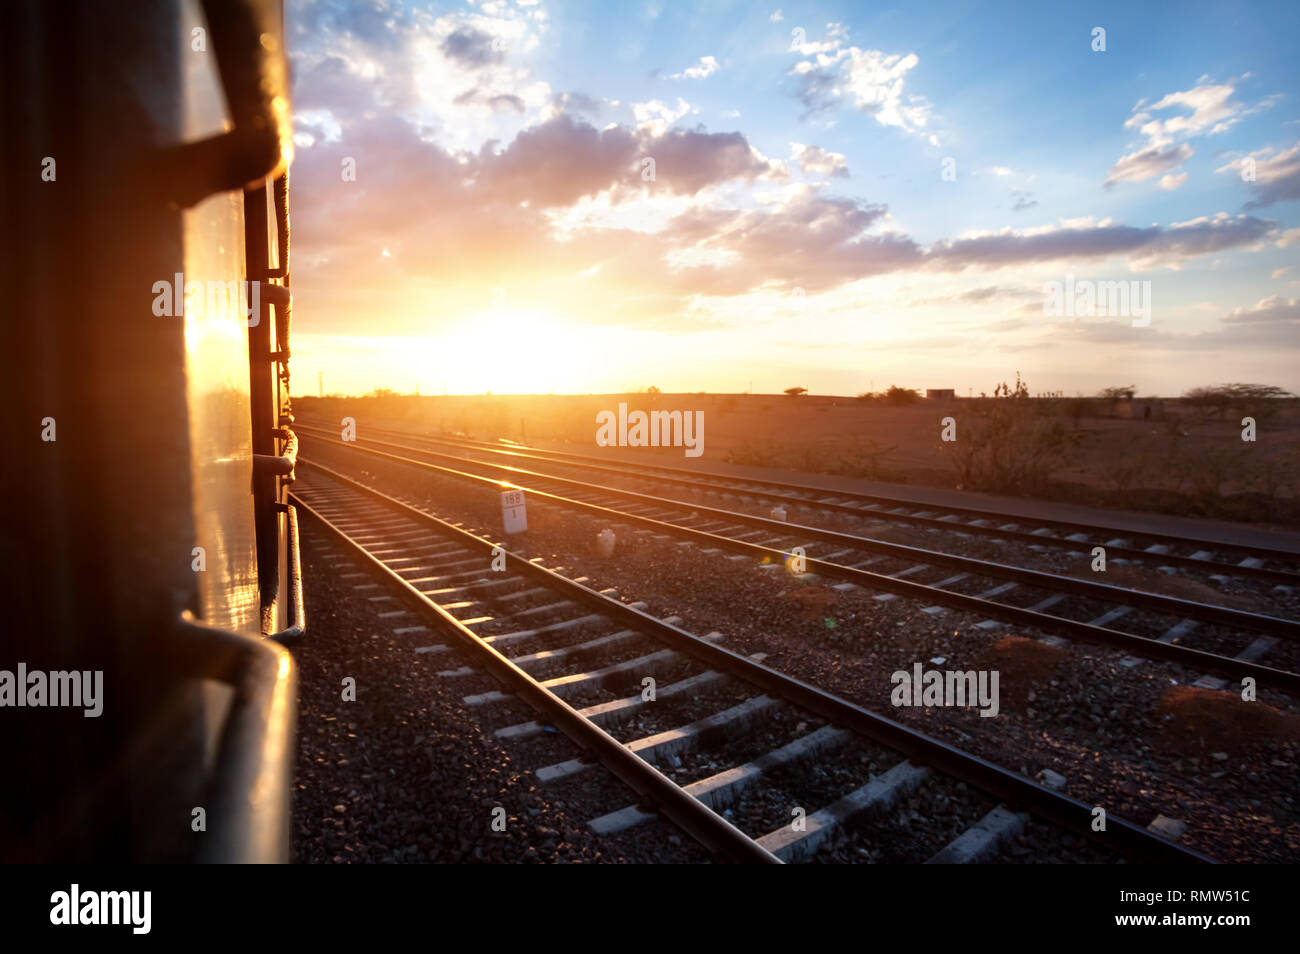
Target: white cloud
x,y
699,257
836,33
1274,308
1148,163
656,117
1277,177
467,74
876,82
1279,272
816,160
1213,110
705,67
777,17
870,80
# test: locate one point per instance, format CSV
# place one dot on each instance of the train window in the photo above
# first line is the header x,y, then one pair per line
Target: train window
x,y
216,355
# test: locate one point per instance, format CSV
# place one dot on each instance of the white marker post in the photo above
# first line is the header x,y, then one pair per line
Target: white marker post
x,y
513,513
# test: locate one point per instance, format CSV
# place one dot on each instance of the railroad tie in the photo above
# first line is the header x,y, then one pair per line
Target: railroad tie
x,y
1173,634
501,639
720,790
872,799
981,841
608,714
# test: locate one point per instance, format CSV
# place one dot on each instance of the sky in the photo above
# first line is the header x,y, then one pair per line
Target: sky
x,y
521,196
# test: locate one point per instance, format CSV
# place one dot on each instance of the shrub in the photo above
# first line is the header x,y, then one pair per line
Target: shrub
x,y
1124,474
860,457
1077,408
1008,448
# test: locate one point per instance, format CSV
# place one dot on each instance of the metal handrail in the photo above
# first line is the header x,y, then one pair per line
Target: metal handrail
x,y
283,309
297,627
283,464
248,801
255,78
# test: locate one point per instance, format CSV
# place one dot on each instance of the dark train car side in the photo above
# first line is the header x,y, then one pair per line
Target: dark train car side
x,y
148,557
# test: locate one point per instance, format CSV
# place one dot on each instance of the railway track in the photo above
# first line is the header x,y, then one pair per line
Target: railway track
x,y
581,659
1212,557
1156,626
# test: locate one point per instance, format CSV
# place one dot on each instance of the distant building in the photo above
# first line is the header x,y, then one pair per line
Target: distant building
x,y
940,394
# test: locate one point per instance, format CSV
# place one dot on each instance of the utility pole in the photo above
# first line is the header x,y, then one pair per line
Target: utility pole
x,y
320,383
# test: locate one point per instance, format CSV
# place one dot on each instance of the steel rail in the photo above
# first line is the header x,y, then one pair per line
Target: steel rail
x,y
697,479
691,815
1142,646
1016,790
737,485
1104,592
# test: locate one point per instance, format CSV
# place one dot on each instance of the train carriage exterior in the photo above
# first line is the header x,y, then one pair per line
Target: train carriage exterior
x,y
147,431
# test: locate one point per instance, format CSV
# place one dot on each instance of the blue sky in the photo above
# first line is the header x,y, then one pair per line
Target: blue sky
x,y
798,228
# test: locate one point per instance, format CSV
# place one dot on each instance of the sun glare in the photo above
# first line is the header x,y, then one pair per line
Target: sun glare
x,y
516,352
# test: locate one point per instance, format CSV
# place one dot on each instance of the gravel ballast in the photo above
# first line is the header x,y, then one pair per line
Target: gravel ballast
x,y
405,773
1103,726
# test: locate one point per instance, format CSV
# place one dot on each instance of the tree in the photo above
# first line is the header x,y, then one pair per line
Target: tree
x,y
795,392
1124,392
1207,400
1021,389
1257,400
897,395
